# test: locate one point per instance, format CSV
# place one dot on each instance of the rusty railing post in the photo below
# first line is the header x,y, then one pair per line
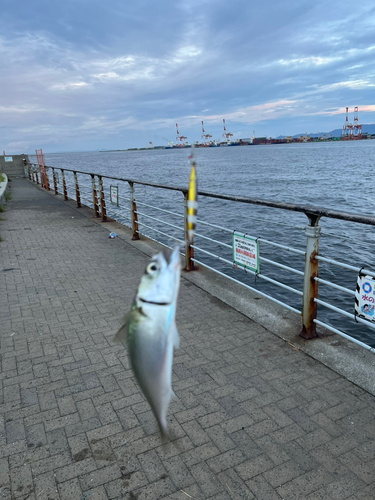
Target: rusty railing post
x,y
46,182
29,172
36,176
64,185
94,196
189,251
102,199
310,285
78,196
54,181
133,212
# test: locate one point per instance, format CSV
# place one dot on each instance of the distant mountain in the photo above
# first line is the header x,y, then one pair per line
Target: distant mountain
x,y
369,128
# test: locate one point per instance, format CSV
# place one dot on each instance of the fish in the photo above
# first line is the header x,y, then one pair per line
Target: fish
x,y
149,330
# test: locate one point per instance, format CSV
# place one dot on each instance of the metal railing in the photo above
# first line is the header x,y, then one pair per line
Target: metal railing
x,y
93,190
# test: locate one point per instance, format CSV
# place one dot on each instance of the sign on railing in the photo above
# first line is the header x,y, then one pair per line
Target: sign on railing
x,y
365,297
246,251
113,193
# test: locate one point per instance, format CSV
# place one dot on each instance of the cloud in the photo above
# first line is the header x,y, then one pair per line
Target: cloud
x,y
74,74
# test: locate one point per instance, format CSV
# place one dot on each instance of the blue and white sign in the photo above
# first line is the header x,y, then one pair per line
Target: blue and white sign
x,y
365,297
8,158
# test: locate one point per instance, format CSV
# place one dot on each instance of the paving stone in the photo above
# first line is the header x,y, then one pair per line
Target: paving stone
x,y
155,490
99,477
21,481
36,436
45,486
251,468
29,396
261,489
226,460
252,418
206,479
152,465
178,472
234,485
4,473
15,431
70,489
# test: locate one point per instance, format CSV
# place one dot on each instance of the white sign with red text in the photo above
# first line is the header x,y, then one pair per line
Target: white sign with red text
x,y
246,251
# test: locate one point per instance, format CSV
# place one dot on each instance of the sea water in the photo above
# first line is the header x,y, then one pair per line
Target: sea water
x,y
333,175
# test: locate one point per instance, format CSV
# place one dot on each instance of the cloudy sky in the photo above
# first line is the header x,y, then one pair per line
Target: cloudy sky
x,y
113,74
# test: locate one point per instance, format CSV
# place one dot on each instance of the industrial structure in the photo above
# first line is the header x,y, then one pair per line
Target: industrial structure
x,y
180,139
227,136
351,130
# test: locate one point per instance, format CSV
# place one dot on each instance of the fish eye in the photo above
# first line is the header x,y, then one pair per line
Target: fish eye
x,y
152,268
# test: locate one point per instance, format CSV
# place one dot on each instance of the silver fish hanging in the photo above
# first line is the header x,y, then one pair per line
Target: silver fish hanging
x,y
149,329
150,332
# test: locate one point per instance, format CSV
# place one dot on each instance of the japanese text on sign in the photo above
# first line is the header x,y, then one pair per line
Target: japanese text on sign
x,y
8,158
365,297
246,251
113,191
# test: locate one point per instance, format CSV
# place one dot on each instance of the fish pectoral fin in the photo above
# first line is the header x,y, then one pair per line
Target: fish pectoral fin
x,y
120,337
174,336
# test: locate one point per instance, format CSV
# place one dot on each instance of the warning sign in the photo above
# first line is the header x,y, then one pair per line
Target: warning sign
x,y
246,251
365,297
113,191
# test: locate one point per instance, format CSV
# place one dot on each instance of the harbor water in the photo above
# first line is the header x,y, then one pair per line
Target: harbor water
x,y
334,175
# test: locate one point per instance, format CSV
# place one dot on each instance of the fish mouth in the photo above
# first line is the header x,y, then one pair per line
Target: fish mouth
x,y
155,303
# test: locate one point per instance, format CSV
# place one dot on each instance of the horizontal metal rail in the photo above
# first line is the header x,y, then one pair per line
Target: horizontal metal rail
x,y
157,208
282,266
333,285
160,232
258,275
342,334
251,217
214,241
247,286
345,313
289,249
345,266
159,220
307,209
199,221
118,213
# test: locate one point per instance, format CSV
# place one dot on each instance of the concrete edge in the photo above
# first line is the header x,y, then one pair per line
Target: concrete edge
x,y
3,188
335,352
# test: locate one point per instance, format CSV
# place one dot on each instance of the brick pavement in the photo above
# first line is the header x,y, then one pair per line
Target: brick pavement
x,y
253,419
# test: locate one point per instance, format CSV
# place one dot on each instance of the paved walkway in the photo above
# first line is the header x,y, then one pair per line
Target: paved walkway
x,y
254,418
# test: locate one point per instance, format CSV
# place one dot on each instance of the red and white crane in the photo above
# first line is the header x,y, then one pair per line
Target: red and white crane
x,y
179,138
226,135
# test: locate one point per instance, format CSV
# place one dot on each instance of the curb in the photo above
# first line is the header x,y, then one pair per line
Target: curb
x,y
3,188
